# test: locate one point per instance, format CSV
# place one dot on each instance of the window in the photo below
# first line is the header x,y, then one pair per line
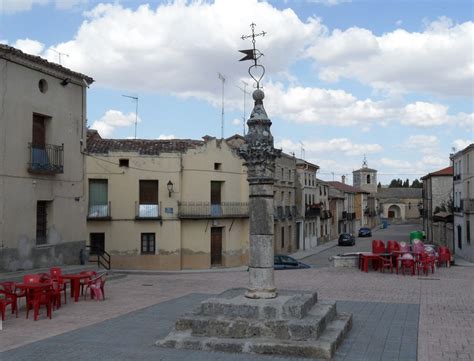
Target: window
x,y
123,162
97,243
282,198
282,173
98,198
148,243
216,190
217,166
148,202
305,179
290,238
282,237
468,232
43,86
289,175
289,197
41,222
368,178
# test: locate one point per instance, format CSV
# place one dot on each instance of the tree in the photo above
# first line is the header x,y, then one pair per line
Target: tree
x,y
417,184
379,185
396,183
406,184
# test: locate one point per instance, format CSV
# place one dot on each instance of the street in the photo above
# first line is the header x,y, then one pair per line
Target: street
x,y
363,244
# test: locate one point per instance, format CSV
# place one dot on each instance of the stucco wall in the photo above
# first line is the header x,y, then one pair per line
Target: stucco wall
x,y
20,190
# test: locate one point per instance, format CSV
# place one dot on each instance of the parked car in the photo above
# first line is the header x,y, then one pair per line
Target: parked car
x,y
346,239
365,232
287,262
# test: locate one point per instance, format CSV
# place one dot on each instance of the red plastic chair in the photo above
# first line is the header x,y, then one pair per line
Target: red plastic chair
x,y
9,297
424,263
378,246
404,247
96,287
407,262
32,278
444,256
40,297
56,276
85,281
385,262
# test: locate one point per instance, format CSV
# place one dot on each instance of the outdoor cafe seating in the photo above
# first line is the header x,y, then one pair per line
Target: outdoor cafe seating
x,y
47,290
416,259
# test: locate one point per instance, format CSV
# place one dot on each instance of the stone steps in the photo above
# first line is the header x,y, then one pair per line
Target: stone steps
x,y
322,348
311,327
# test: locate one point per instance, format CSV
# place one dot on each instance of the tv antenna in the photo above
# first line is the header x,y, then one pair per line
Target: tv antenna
x,y
303,153
59,54
244,90
136,110
222,78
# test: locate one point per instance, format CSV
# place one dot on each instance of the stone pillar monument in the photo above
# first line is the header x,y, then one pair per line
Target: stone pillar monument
x,y
259,155
255,320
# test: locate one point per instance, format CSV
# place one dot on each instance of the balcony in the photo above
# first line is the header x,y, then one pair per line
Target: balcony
x,y
326,214
344,216
278,213
99,212
46,160
457,177
205,210
312,211
468,205
147,211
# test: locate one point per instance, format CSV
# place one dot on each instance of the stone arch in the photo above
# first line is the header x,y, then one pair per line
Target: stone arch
x,y
394,211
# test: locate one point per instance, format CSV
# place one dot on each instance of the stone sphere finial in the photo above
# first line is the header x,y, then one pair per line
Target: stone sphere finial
x,y
258,95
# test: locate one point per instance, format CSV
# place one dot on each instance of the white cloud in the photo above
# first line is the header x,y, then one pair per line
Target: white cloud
x,y
435,161
111,120
460,144
133,49
29,46
422,141
15,6
395,163
423,114
329,2
237,122
337,145
438,60
164,136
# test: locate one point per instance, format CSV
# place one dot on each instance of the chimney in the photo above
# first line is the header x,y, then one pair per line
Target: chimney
x,y
343,179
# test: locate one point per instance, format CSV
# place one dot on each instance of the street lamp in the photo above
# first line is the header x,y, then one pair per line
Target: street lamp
x,y
170,188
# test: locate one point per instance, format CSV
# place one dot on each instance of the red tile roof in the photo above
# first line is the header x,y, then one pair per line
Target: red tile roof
x,y
448,171
346,187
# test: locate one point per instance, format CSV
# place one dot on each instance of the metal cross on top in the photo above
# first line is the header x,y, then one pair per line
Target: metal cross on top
x,y
254,54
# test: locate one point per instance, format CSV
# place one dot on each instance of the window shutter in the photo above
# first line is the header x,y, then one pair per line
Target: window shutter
x,y
148,192
98,192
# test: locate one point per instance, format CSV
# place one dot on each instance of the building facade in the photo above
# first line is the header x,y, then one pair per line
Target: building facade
x,y
342,206
167,204
42,189
437,199
400,205
284,203
463,167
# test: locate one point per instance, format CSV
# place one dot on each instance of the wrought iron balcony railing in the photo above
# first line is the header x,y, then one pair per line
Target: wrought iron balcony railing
x,y
203,210
312,211
99,212
47,159
147,211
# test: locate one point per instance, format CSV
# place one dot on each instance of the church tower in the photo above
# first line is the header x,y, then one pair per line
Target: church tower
x,y
365,178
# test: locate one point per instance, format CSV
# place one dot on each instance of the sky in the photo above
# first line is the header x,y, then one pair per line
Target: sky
x,y
391,80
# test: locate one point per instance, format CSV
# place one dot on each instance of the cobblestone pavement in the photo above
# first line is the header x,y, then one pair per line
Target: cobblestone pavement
x,y
384,331
445,300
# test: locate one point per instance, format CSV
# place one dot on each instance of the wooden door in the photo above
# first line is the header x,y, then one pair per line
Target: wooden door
x,y
216,246
391,214
39,134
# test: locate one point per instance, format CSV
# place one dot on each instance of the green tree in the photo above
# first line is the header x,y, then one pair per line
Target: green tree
x,y
417,184
406,184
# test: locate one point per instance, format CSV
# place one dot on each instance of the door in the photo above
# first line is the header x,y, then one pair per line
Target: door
x,y
216,209
216,246
39,134
391,214
97,243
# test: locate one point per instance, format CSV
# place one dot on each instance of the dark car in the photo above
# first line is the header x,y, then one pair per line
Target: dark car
x,y
287,262
346,239
365,232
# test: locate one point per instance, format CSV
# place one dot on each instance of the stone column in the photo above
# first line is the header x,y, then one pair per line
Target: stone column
x,y
259,155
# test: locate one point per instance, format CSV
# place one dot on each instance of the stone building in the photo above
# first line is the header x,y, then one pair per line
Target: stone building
x,y
167,204
365,178
342,207
437,197
312,206
463,163
285,212
400,204
42,127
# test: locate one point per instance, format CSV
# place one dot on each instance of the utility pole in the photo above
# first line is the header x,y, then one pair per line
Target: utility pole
x,y
222,78
244,90
136,111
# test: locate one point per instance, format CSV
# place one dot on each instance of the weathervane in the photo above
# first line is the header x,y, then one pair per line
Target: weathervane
x,y
254,54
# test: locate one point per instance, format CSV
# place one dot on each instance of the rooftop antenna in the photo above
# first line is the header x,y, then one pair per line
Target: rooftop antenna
x,y
222,78
59,54
332,176
303,153
136,111
244,90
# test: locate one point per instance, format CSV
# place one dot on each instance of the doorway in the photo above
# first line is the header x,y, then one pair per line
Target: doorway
x,y
216,246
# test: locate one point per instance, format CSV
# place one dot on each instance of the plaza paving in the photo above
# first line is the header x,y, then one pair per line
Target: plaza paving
x,y
395,316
